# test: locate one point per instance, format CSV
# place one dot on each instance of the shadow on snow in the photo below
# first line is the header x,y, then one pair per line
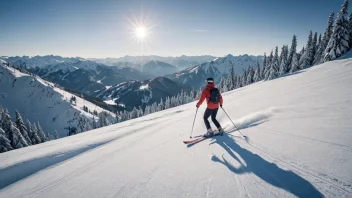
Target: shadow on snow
x,y
265,170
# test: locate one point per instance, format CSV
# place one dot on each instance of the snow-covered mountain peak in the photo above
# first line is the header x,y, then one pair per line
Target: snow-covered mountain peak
x,y
216,68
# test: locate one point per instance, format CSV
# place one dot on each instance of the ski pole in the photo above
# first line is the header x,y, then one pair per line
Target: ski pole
x,y
233,123
193,123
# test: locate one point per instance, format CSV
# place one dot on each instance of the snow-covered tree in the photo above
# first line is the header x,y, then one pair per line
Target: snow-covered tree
x,y
12,133
22,127
350,29
319,56
293,50
231,80
238,82
284,67
41,134
257,76
33,133
244,78
318,43
167,103
83,125
134,113
268,65
262,75
295,63
274,66
103,119
5,143
308,56
250,76
339,41
140,111
314,45
223,84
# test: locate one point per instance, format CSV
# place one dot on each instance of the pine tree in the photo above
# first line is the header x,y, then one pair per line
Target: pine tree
x,y
250,75
269,65
12,133
315,45
33,133
222,84
350,29
319,56
83,125
231,79
257,77
318,44
140,111
41,134
22,127
103,119
238,82
308,55
274,67
300,58
5,143
167,103
262,75
339,41
294,63
284,69
293,50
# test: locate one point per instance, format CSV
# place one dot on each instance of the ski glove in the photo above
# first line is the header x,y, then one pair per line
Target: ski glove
x,y
221,106
197,106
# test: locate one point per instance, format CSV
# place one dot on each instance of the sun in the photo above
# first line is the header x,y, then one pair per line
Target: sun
x,y
140,32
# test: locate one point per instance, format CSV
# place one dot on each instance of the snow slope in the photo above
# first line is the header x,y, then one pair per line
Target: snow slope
x,y
299,144
39,100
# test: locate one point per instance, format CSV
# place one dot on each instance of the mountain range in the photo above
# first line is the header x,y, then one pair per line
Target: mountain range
x,y
181,62
120,82
195,76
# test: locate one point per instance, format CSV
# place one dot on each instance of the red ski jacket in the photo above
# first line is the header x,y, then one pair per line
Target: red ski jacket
x,y
206,95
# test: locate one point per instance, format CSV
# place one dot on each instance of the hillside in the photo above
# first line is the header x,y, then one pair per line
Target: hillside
x,y
140,93
39,100
299,144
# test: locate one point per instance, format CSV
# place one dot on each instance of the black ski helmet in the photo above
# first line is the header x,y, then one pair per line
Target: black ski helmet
x,y
210,80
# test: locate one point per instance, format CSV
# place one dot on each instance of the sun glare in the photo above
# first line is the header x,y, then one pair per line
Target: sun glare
x,y
140,32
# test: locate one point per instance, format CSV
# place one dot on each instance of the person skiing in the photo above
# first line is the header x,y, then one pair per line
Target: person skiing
x,y
214,99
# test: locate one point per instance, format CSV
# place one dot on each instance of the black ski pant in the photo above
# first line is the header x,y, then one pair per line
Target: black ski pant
x,y
212,113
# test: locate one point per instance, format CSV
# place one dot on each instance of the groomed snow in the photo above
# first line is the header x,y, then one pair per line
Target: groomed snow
x,y
299,143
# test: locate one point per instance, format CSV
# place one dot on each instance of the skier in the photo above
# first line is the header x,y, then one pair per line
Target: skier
x,y
214,98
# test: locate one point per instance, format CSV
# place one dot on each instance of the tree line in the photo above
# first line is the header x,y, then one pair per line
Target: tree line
x,y
14,135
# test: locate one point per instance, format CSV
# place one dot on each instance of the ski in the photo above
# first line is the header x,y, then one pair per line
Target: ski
x,y
194,140
200,139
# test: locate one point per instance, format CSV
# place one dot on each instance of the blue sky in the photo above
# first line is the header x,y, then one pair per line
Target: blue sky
x,y
104,28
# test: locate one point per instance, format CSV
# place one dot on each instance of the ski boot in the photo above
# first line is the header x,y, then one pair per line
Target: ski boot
x,y
209,133
220,132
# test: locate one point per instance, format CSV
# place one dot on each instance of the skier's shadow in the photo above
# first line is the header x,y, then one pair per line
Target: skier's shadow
x,y
267,171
